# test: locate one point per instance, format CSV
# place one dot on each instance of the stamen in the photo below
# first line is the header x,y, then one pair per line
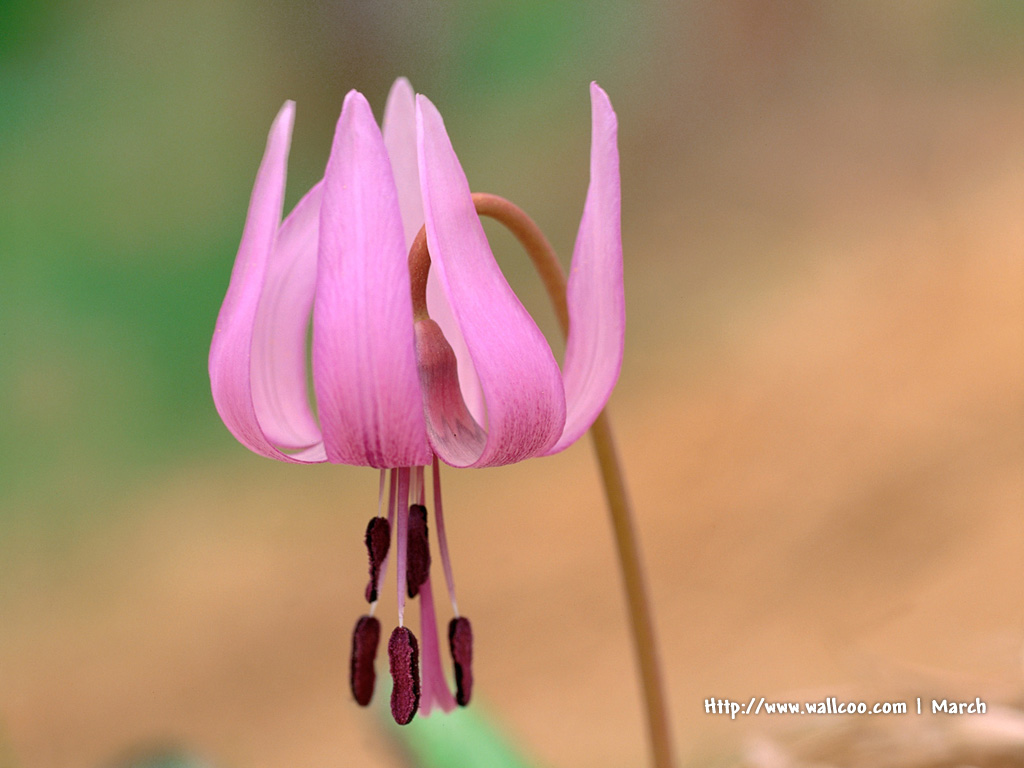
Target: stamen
x,y
442,540
421,487
402,520
378,539
392,490
418,552
403,655
460,640
361,674
413,486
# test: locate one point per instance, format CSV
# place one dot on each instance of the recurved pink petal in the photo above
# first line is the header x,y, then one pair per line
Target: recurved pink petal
x,y
597,314
231,351
364,364
521,383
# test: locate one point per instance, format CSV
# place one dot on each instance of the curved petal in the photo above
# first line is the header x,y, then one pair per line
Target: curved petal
x,y
597,313
280,390
522,386
399,130
231,348
364,364
449,421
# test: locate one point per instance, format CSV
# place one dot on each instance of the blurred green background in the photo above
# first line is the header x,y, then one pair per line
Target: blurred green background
x,y
762,143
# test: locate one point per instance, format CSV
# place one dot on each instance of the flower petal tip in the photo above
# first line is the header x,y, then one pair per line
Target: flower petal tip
x,y
402,86
285,118
426,107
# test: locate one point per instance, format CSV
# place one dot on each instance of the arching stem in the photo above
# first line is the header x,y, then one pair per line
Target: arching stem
x,y
550,270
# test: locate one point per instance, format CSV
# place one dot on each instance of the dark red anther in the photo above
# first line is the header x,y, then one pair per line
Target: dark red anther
x,y
378,538
417,567
404,656
460,640
361,674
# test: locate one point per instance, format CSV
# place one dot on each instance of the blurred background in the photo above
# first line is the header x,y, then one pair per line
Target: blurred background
x,y
821,409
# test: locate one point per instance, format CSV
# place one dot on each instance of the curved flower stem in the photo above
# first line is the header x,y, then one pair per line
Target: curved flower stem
x,y
550,271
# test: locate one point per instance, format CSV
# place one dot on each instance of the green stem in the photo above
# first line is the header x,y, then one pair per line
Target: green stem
x,y
550,270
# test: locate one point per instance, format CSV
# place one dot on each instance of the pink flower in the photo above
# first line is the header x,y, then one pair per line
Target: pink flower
x,y
476,384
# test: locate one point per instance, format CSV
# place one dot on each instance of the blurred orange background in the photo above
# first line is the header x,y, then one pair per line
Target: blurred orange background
x,y
820,413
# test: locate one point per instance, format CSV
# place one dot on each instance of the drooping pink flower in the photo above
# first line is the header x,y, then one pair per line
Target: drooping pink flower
x,y
475,385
